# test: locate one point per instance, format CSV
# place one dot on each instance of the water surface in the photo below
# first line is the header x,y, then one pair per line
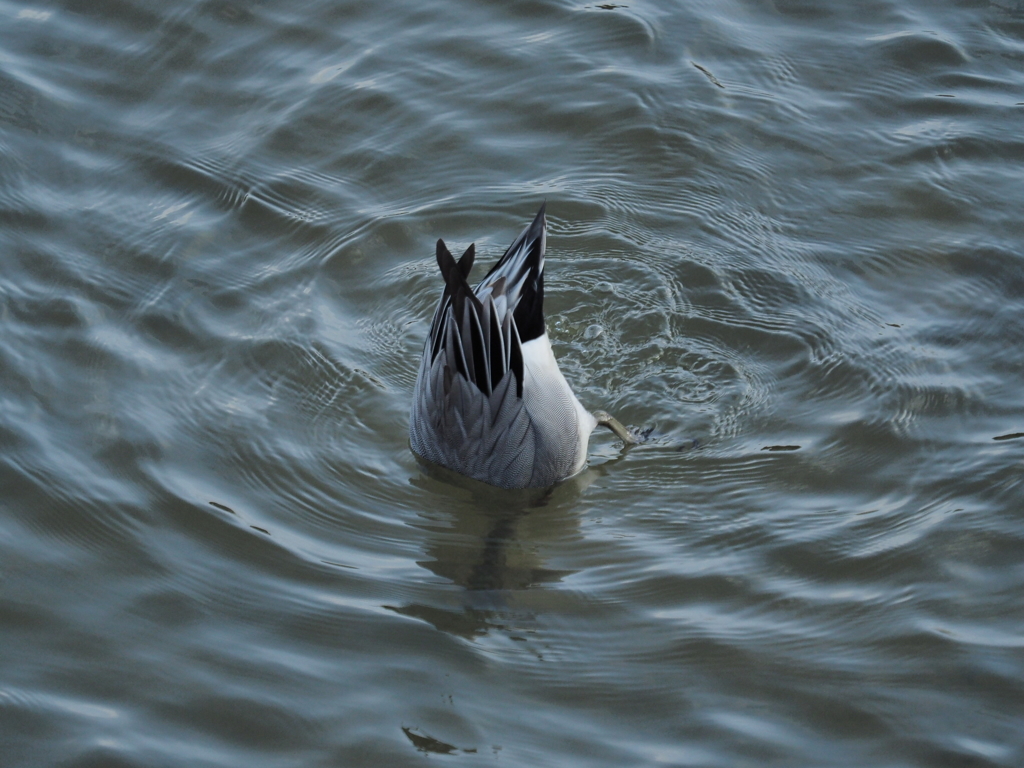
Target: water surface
x,y
786,236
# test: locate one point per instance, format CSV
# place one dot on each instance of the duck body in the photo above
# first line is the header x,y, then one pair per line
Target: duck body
x,y
490,401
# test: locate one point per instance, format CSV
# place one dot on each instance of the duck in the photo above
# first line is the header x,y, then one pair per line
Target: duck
x,y
490,401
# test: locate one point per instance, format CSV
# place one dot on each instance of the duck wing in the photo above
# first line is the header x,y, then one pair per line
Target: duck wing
x,y
522,268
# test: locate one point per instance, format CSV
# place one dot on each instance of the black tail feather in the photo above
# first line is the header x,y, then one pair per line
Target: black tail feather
x,y
479,346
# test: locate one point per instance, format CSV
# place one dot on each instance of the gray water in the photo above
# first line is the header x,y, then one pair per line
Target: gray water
x,y
785,236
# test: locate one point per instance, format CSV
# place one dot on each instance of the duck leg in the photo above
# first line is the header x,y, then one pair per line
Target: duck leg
x,y
607,420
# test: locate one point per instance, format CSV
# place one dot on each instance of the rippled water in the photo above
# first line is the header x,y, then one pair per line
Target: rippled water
x,y
785,235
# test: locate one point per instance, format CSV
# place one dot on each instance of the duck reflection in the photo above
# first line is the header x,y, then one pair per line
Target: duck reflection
x,y
489,542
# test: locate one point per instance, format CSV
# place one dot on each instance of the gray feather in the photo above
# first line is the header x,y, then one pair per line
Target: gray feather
x,y
484,405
